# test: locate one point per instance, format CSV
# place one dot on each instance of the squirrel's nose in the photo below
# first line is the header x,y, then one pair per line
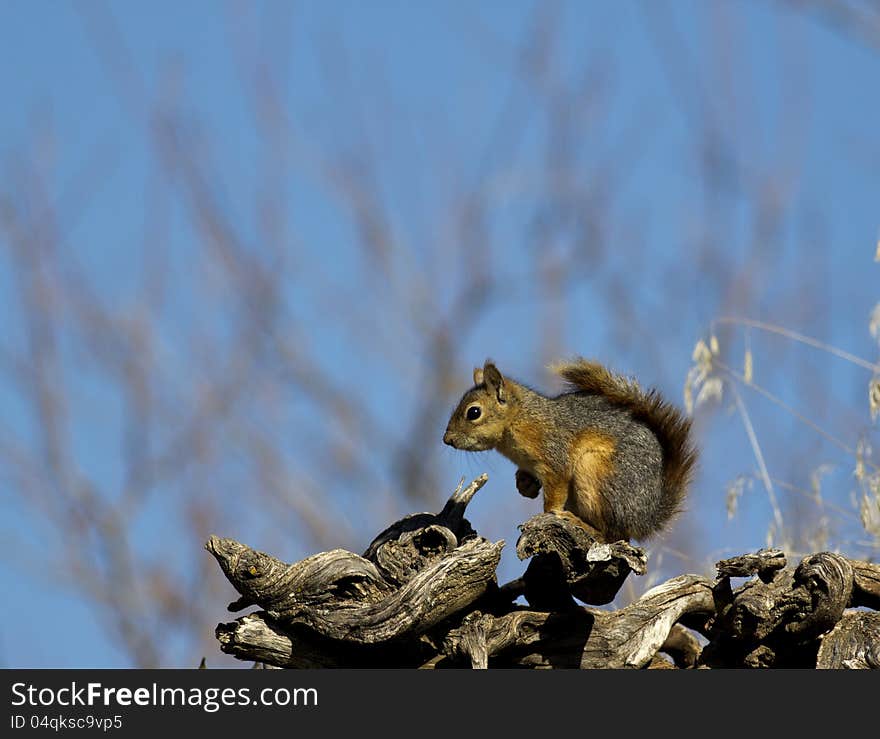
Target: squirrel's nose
x,y
447,438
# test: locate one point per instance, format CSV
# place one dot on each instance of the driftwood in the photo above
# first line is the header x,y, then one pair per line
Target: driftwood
x,y
424,594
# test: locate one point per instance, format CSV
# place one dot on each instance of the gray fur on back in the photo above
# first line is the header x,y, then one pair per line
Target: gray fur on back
x,y
633,489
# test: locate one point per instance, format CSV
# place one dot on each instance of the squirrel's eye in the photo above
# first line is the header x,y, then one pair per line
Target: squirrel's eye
x,y
473,413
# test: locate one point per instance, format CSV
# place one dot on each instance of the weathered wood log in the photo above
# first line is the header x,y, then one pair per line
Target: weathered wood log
x,y
415,541
635,633
585,637
682,646
776,621
658,662
473,635
764,563
424,595
568,561
347,609
422,575
286,589
854,643
866,584
827,579
258,637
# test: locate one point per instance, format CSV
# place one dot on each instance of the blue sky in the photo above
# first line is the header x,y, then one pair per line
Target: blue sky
x,y
793,102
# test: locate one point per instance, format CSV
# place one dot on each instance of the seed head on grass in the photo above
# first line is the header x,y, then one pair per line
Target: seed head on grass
x,y
874,397
874,323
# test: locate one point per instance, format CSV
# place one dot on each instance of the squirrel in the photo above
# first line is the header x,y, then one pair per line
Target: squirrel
x,y
616,459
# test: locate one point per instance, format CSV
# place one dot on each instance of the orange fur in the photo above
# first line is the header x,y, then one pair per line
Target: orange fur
x,y
591,456
524,446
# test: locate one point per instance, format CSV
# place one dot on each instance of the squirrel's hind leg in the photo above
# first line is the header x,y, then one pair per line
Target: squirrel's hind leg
x,y
557,494
556,501
591,530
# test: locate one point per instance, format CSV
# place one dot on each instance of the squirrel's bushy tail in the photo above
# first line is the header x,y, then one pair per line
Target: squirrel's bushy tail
x,y
670,425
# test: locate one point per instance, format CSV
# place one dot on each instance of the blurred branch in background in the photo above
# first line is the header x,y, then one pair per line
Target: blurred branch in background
x,y
270,347
856,19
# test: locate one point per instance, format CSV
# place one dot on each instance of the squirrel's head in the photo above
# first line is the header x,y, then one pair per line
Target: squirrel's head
x,y
483,413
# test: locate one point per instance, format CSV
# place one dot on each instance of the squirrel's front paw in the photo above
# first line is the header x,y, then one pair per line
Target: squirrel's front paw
x,y
527,484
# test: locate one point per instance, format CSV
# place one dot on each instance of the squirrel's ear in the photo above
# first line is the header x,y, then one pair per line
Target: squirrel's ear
x,y
478,376
494,382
